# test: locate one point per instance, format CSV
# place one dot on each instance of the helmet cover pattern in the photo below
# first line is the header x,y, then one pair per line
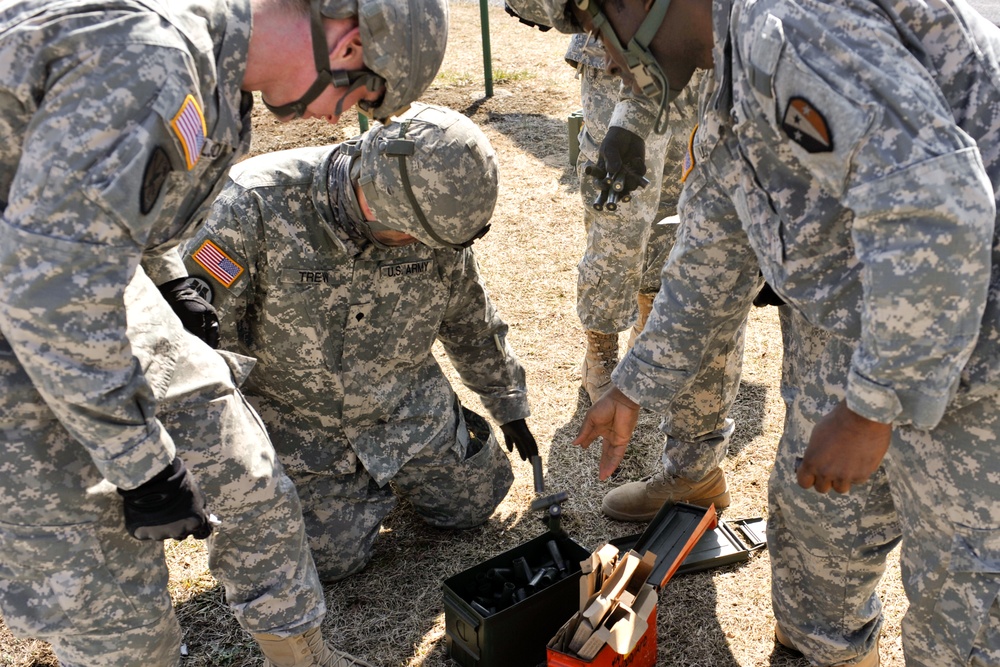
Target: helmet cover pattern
x,y
450,169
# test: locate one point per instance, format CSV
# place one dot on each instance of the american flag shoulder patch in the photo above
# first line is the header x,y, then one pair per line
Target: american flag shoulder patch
x,y
189,126
219,265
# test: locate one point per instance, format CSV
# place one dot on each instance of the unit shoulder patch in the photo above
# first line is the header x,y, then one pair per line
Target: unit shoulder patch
x,y
189,126
217,263
806,126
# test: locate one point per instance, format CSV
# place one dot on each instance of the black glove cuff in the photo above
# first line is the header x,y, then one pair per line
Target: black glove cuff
x,y
164,494
170,285
187,288
170,473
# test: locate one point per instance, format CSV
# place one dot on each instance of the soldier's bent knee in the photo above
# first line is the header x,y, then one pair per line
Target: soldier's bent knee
x,y
482,480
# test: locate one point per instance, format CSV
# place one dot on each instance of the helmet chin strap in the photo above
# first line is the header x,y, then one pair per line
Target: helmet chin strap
x,y
641,64
324,75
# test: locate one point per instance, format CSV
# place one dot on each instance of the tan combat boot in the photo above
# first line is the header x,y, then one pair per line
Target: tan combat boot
x,y
870,660
600,360
640,501
645,308
305,650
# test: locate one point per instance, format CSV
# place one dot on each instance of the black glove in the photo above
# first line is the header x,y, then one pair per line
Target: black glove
x,y
622,162
168,506
767,297
197,315
516,434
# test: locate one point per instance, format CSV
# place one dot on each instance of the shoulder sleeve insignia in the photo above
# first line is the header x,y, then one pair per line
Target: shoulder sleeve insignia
x,y
688,165
189,126
157,169
806,126
219,265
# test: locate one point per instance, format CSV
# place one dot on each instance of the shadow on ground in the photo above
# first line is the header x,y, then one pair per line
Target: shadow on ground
x,y
748,412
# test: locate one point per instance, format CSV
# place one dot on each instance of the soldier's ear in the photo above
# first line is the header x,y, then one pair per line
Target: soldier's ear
x,y
346,53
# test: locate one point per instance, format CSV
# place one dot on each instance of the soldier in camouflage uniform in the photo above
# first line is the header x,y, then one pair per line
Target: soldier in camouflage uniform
x,y
824,546
620,270
118,119
848,152
341,312
619,273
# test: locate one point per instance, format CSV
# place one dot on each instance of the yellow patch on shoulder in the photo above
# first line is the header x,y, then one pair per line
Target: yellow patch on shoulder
x,y
688,166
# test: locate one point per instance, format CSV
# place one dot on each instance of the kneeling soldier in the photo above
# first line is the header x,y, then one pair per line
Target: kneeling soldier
x,y
338,267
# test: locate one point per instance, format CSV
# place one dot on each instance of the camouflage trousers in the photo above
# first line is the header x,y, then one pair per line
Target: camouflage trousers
x,y
454,482
72,576
828,551
626,249
697,427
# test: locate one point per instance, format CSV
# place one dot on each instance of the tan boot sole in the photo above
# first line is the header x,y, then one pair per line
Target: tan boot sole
x,y
720,501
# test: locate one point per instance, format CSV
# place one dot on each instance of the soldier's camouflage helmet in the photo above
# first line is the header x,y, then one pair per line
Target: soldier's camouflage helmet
x,y
432,174
544,14
402,43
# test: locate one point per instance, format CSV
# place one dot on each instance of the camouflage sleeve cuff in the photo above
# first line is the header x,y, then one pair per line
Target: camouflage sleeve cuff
x,y
889,406
652,387
507,409
634,114
139,463
164,267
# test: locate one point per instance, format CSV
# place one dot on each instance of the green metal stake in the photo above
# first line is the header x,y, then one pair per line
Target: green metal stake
x,y
362,122
484,22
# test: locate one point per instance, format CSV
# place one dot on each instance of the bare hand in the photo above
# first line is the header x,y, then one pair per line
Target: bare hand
x,y
612,418
844,449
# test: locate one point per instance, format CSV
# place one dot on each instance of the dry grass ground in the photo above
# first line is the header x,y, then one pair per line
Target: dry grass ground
x,y
392,613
